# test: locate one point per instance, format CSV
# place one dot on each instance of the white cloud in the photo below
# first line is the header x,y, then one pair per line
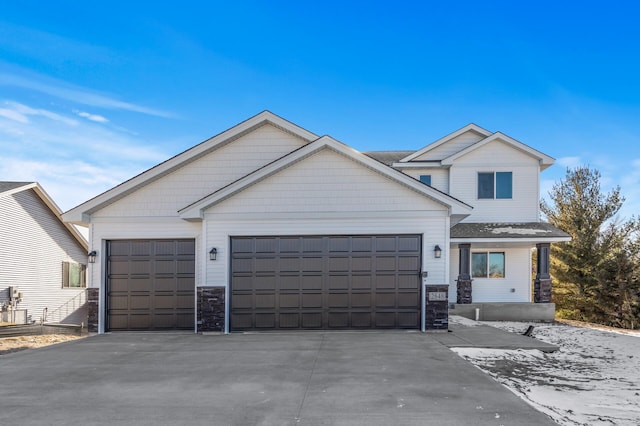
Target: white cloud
x,y
92,117
81,95
569,162
13,115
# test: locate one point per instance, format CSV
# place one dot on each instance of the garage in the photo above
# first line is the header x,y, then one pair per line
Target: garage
x,y
325,282
150,284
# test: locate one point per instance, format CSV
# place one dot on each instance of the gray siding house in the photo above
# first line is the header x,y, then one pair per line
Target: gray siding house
x,y
42,259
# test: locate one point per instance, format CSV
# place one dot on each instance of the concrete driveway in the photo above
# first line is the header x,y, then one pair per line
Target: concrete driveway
x,y
315,378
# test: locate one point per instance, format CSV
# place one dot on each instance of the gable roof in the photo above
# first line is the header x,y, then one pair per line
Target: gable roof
x,y
10,188
471,127
544,160
79,213
487,137
195,211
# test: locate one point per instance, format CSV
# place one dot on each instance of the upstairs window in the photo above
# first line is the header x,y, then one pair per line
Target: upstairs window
x,y
487,265
426,179
74,275
498,185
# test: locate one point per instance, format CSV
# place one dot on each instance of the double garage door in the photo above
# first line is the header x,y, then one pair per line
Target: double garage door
x,y
325,282
150,284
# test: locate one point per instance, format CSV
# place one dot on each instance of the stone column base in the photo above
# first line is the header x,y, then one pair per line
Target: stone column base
x,y
211,309
464,292
93,304
436,307
542,290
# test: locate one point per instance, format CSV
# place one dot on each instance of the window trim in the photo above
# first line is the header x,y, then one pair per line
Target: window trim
x,y
498,189
67,271
488,254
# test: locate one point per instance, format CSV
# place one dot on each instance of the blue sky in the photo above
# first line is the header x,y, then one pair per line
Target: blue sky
x,y
93,93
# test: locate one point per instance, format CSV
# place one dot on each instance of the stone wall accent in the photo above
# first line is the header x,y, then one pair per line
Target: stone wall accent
x,y
464,290
437,307
211,309
542,290
93,305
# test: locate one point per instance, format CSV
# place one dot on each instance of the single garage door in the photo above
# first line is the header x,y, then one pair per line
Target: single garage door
x,y
325,282
150,284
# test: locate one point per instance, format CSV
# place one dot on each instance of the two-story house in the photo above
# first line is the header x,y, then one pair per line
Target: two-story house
x,y
269,226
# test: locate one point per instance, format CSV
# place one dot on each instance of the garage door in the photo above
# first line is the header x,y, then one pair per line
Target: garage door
x,y
325,282
150,284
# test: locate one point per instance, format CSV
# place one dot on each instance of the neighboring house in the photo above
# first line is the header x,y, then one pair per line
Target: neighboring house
x,y
269,226
42,259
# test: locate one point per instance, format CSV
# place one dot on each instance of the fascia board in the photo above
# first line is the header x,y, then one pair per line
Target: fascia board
x,y
195,211
433,145
512,240
542,158
418,165
78,213
51,205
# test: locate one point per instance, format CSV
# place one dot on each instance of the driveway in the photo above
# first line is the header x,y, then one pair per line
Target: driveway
x,y
315,378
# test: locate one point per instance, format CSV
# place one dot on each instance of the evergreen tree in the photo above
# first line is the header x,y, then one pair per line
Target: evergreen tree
x,y
579,208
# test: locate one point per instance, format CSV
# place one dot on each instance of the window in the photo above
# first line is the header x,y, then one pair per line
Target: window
x,y
74,275
498,185
487,265
426,179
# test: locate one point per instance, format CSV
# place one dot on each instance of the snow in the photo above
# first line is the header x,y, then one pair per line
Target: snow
x,y
594,379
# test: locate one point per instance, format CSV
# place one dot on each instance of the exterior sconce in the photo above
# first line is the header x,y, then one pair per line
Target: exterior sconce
x,y
92,256
437,252
213,254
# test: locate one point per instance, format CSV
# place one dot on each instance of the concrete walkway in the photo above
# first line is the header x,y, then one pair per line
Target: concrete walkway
x,y
314,378
472,334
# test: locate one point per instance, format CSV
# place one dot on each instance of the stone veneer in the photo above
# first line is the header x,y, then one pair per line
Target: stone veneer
x,y
211,309
437,307
93,304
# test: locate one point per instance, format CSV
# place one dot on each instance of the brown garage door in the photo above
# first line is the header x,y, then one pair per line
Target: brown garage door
x,y
325,282
150,284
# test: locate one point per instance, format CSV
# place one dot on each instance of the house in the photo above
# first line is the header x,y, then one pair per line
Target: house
x,y
269,226
42,259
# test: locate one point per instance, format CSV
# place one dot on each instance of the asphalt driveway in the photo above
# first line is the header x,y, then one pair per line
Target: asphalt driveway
x,y
316,378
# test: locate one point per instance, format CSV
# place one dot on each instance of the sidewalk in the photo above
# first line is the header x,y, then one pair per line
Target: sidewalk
x,y
465,333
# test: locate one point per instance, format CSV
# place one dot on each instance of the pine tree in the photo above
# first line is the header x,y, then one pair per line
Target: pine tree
x,y
579,208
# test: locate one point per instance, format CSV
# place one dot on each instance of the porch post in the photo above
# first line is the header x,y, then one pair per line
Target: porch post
x,y
542,284
464,274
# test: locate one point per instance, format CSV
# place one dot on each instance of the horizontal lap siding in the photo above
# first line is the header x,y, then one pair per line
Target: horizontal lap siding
x,y
33,245
497,157
439,177
226,164
326,182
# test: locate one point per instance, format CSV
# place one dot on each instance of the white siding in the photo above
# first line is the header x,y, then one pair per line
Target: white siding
x,y
497,157
451,147
326,182
33,245
326,194
517,277
204,176
439,177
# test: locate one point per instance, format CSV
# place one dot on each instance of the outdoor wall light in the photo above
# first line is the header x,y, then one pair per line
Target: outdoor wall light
x,y
213,254
437,252
92,256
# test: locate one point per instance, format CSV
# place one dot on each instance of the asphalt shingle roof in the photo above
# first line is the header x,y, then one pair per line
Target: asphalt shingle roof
x,y
507,230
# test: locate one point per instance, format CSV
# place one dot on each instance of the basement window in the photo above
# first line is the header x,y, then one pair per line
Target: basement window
x,y
74,275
